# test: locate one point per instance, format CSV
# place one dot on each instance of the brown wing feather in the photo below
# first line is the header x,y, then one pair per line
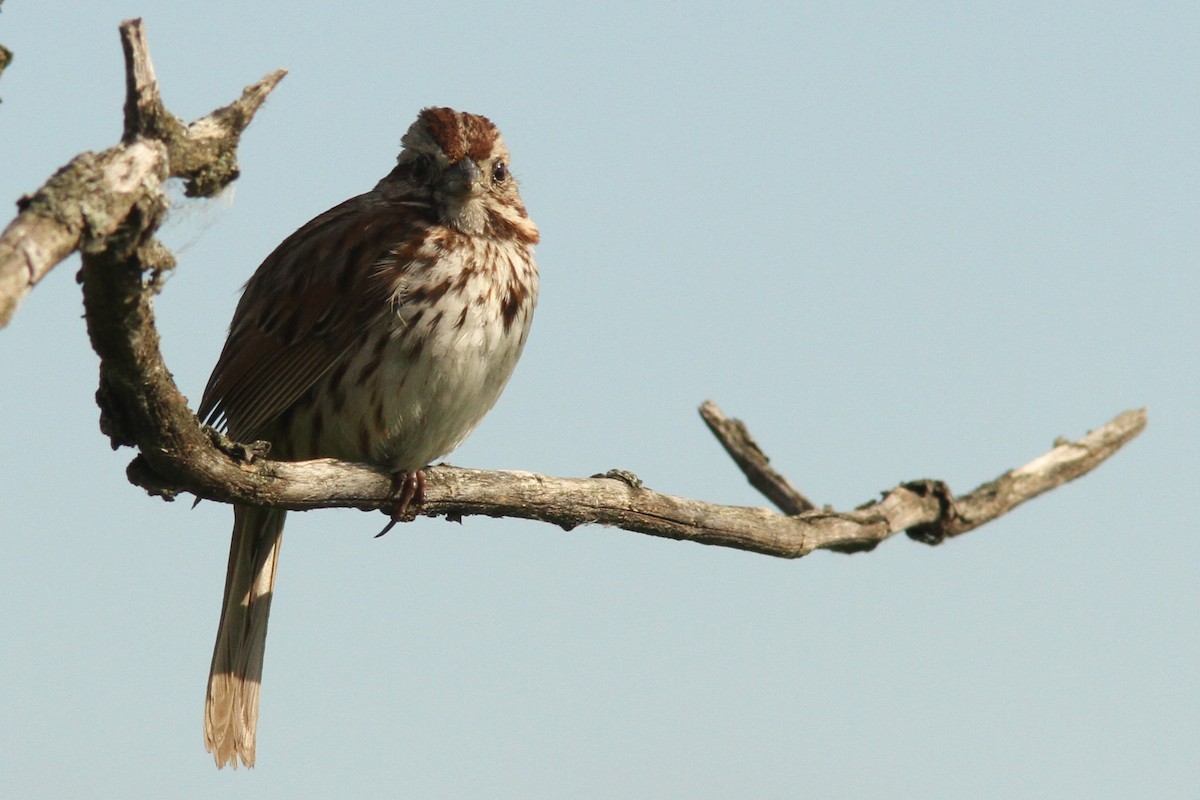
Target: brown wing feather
x,y
275,353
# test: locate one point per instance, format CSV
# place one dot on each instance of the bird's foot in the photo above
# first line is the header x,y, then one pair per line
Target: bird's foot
x,y
408,489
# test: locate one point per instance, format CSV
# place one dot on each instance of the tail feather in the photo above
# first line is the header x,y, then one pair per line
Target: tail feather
x,y
231,704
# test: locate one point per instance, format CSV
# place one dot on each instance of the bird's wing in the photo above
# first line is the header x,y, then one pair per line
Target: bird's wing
x,y
310,303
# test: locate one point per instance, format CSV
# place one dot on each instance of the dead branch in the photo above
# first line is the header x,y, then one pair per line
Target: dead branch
x,y
94,196
925,508
108,206
6,55
752,461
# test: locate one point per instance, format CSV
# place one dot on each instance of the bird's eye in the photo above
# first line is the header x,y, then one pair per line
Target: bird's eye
x,y
499,172
421,170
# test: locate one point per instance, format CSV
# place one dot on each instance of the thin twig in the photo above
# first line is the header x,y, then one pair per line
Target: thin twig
x,y
753,462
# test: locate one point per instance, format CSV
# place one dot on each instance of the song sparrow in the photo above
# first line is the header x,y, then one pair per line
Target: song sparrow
x,y
382,331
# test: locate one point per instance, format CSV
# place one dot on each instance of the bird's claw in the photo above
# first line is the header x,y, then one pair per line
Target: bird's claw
x,y
408,489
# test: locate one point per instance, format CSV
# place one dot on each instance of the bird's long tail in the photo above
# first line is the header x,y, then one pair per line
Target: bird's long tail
x,y
231,705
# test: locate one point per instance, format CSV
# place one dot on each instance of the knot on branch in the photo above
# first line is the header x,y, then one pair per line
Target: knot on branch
x,y
238,451
624,476
140,473
936,531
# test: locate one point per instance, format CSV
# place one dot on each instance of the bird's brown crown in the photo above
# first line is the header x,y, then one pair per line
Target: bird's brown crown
x,y
459,134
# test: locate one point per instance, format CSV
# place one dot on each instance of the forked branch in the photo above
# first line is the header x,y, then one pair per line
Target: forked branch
x,y
109,205
926,509
101,195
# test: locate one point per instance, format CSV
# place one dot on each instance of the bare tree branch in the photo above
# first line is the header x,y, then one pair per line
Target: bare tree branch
x,y
141,406
925,508
95,194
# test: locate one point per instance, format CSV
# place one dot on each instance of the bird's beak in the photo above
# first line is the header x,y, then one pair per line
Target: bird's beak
x,y
464,177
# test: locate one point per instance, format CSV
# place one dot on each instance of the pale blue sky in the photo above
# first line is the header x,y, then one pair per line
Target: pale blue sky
x,y
903,241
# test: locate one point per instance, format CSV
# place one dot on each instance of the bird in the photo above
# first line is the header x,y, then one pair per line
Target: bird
x,y
380,332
